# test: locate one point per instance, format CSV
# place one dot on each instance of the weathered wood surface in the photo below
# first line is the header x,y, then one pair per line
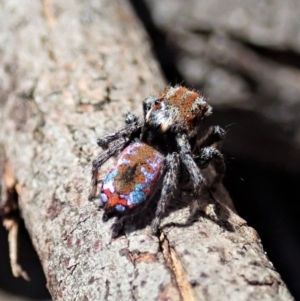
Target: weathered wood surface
x,y
69,73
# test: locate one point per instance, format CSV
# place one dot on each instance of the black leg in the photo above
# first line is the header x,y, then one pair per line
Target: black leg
x,y
207,152
113,148
187,159
132,125
212,155
168,186
113,143
213,135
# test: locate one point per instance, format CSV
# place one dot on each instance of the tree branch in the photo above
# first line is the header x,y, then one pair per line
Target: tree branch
x,y
71,70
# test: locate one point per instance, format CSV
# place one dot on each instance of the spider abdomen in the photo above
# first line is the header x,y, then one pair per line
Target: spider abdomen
x,y
131,180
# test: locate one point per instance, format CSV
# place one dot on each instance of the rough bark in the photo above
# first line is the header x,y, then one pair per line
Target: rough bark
x,y
70,71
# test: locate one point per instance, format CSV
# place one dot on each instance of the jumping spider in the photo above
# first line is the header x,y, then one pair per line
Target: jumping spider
x,y
162,153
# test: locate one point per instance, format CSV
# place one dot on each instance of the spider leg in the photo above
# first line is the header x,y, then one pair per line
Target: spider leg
x,y
112,143
169,184
208,153
213,135
132,125
117,226
186,157
113,148
212,155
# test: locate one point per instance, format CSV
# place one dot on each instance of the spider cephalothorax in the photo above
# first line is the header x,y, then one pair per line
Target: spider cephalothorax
x,y
177,109
158,153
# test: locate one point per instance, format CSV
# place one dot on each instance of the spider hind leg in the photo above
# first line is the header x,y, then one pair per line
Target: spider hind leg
x,y
113,144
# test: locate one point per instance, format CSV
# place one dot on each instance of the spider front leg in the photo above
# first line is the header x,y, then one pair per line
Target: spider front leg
x,y
196,176
169,185
212,155
186,157
213,136
208,153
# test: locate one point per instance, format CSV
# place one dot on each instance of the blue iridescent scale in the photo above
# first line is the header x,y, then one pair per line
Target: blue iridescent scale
x,y
131,180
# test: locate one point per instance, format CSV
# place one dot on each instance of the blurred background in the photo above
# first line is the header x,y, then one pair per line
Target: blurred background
x,y
244,56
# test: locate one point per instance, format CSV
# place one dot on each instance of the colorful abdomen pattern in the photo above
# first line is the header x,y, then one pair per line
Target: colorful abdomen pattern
x,y
132,178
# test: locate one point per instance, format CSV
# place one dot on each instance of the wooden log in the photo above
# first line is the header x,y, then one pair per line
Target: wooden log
x,y
70,71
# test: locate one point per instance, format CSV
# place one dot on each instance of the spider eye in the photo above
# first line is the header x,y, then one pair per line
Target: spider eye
x,y
120,208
